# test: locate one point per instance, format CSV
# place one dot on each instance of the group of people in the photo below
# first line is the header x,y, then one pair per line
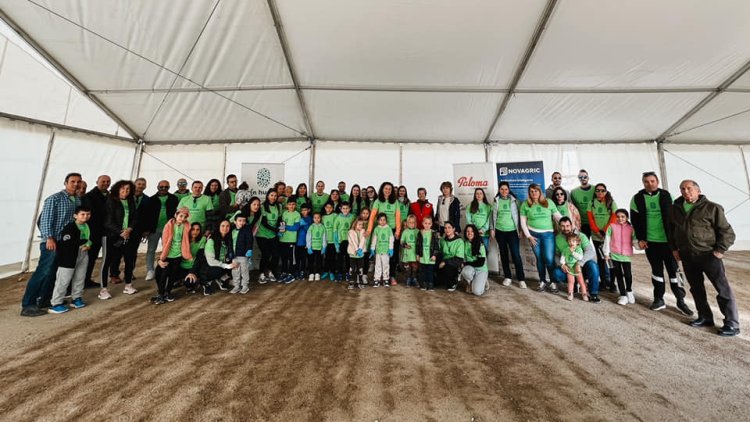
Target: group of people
x,y
209,233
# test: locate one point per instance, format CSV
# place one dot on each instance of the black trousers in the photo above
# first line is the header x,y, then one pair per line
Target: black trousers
x,y
342,258
269,253
509,241
659,257
166,277
624,276
604,275
447,276
315,262
300,259
713,268
287,257
329,265
115,251
96,246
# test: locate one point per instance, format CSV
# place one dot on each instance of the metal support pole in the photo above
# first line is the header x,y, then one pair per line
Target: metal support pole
x,y
311,170
662,165
487,147
224,169
137,156
400,164
27,258
744,164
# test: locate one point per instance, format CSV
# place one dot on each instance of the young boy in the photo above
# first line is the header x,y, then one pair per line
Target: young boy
x,y
72,259
317,241
288,240
409,251
242,238
382,250
341,240
300,252
427,248
329,265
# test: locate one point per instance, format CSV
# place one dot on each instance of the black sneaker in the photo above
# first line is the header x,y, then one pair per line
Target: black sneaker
x,y
221,285
453,288
191,291
159,300
594,299
658,305
682,306
169,298
32,311
207,290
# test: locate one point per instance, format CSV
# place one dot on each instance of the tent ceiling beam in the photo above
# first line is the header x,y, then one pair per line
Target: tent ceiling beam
x,y
290,65
71,79
222,141
570,142
705,101
540,27
190,90
65,127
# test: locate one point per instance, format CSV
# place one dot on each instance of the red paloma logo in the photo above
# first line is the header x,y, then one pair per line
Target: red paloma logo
x,y
464,182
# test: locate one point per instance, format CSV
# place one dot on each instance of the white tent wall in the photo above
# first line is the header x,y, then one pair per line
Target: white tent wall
x,y
24,151
721,173
171,162
363,163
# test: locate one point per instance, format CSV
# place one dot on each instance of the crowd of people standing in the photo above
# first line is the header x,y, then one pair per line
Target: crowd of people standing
x,y
363,237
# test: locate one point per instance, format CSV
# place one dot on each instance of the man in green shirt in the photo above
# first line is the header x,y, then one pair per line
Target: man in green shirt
x,y
197,203
581,197
342,192
650,216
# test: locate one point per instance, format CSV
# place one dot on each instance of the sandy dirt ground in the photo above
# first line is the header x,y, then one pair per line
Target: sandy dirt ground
x,y
315,351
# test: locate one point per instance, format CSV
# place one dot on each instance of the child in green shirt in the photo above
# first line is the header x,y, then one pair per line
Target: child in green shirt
x,y
329,263
316,246
341,226
381,248
409,250
570,261
288,239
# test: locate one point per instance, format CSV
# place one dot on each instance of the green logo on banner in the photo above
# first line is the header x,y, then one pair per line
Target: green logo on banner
x,y
264,178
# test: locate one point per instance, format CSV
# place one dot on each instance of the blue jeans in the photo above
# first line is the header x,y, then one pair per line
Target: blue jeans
x,y
545,253
590,272
43,280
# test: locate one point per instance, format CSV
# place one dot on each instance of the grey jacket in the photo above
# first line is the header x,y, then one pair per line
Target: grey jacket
x,y
703,230
513,212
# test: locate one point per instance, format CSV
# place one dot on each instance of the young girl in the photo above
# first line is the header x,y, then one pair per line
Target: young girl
x,y
600,215
428,250
364,215
316,246
288,240
176,241
478,214
452,250
357,244
570,261
381,248
618,247
300,252
409,251
388,205
341,226
267,237
329,265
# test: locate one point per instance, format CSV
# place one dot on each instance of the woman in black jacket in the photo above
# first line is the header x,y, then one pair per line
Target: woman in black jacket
x,y
119,222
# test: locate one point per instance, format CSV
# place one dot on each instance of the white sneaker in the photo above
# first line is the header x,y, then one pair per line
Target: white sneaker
x,y
149,276
317,277
104,294
245,290
521,284
631,297
622,300
263,279
129,290
311,278
235,290
507,282
271,278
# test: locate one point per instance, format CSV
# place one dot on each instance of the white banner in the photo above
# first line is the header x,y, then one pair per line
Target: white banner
x,y
261,176
467,178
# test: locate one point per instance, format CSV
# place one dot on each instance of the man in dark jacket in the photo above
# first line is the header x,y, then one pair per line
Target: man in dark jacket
x,y
157,211
227,204
95,200
701,237
650,214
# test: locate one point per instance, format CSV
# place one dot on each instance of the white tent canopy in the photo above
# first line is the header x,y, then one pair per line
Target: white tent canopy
x,y
327,85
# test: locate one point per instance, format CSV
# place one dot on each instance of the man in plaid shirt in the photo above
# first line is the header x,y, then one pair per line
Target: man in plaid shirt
x,y
56,214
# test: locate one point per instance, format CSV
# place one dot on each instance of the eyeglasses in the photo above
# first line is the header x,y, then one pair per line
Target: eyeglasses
x,y
600,190
163,187
557,178
182,184
582,177
559,194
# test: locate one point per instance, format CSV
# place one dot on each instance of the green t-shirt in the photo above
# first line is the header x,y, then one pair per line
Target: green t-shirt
x,y
126,215
570,260
162,213
198,207
344,197
290,219
602,214
388,209
272,219
342,224
409,237
687,206
318,201
383,235
300,201
328,222
563,209
181,195
482,254
654,224
424,254
316,233
403,208
539,217
561,243
175,248
215,201
85,233
210,249
187,264
582,200
504,221
452,248
481,218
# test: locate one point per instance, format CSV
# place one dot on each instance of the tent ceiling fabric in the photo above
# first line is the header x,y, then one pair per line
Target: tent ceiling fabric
x,y
215,70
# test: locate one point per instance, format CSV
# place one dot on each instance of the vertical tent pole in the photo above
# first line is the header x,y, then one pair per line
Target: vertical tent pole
x,y
27,259
137,157
400,164
744,164
487,147
662,164
311,170
224,170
